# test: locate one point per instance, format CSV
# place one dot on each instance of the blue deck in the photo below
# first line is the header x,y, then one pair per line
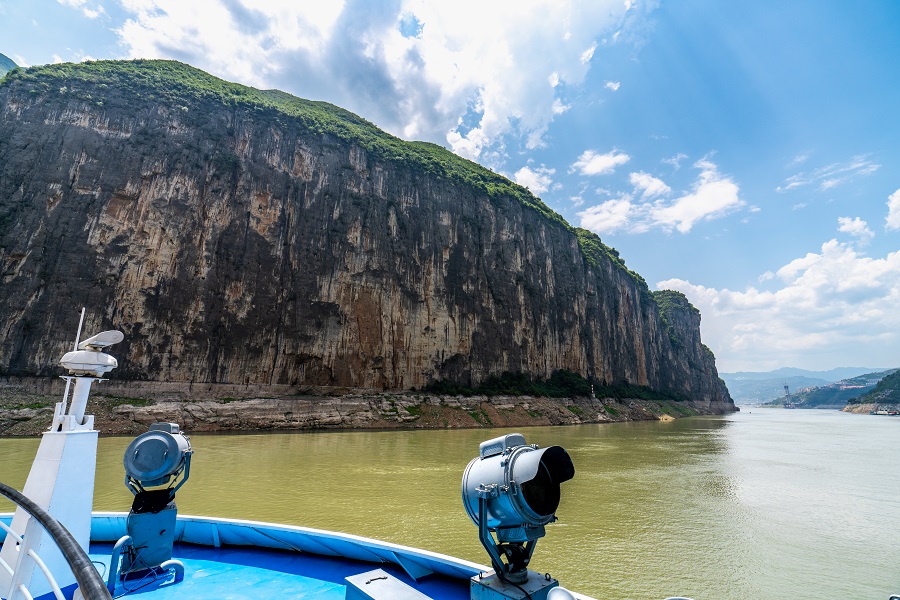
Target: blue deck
x,y
227,559
256,573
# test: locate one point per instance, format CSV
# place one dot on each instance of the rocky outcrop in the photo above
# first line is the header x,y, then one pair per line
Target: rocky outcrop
x,y
244,237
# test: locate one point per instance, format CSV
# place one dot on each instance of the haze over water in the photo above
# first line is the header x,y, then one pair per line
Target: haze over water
x,y
763,504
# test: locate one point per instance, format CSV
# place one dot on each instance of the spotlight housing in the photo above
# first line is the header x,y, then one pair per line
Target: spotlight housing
x,y
157,464
158,457
512,490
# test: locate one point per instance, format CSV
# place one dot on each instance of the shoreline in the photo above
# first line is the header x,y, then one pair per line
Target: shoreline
x,y
129,407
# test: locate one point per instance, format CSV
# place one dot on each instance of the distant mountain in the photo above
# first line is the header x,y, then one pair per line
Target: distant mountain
x,y
829,376
757,391
886,392
6,65
837,393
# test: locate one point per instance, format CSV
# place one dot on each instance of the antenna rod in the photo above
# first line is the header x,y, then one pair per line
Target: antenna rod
x,y
80,323
65,400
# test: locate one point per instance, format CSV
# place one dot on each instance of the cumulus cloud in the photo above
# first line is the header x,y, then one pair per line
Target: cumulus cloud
x,y
613,85
821,304
831,175
538,180
893,218
608,216
591,163
712,196
648,185
857,228
420,69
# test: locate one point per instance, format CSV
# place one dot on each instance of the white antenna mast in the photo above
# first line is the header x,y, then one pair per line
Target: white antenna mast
x,y
78,334
65,401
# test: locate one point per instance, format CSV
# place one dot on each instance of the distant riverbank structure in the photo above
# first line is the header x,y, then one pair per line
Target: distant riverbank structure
x,y
788,402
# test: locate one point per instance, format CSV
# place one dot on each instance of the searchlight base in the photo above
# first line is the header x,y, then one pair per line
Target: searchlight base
x,y
487,586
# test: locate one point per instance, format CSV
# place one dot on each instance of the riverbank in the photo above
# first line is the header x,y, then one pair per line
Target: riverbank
x,y
865,409
127,407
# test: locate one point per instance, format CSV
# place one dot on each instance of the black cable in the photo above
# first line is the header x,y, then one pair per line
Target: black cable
x,y
89,581
502,577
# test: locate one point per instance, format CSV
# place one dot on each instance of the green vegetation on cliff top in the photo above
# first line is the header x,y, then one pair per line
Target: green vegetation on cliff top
x,y
670,301
181,86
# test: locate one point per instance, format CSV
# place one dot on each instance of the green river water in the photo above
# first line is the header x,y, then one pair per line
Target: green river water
x,y
763,504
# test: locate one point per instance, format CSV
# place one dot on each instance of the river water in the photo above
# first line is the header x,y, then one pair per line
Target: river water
x,y
766,503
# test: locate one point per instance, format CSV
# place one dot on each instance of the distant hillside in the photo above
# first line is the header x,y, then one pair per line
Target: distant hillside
x,y
755,387
758,391
829,376
832,394
6,65
886,392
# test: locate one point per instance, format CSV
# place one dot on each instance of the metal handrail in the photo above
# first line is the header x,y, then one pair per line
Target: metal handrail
x,y
89,581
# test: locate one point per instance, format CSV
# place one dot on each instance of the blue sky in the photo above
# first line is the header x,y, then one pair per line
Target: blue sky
x,y
744,153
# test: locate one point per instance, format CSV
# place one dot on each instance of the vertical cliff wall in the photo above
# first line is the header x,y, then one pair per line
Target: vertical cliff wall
x,y
239,236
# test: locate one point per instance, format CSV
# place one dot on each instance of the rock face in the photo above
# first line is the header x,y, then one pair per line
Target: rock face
x,y
243,241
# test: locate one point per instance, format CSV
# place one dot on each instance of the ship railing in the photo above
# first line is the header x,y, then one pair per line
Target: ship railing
x,y
90,584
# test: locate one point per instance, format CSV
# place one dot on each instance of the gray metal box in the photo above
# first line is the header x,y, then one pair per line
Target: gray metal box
x,y
491,588
153,535
378,585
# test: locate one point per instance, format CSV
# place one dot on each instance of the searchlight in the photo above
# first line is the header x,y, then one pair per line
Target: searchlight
x,y
157,463
157,458
511,491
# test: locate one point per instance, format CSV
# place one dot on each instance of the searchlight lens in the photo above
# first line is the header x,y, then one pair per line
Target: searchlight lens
x,y
157,457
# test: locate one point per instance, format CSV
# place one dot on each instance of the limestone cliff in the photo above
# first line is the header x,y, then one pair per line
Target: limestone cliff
x,y
248,237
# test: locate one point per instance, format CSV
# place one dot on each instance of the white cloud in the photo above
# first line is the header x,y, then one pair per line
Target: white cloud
x,y
857,228
798,160
591,163
608,216
826,302
474,83
537,180
90,13
613,85
831,175
588,54
712,196
648,185
559,108
893,218
675,161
